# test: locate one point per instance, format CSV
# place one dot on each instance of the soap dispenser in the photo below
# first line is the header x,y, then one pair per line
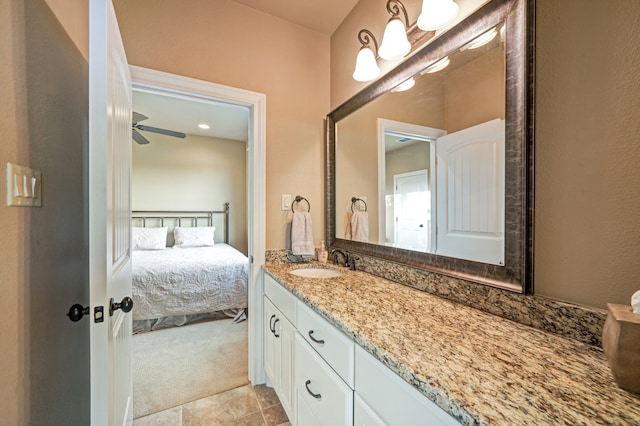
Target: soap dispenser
x,y
323,254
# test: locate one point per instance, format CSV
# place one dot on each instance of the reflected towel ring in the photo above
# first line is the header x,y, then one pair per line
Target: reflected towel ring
x,y
299,199
354,200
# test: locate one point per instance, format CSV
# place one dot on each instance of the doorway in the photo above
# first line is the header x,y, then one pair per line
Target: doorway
x,y
161,83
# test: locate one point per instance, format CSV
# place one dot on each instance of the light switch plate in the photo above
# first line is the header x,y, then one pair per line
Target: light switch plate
x,y
286,202
24,186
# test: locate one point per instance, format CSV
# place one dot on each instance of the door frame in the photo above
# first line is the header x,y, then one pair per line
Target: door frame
x,y
188,88
386,125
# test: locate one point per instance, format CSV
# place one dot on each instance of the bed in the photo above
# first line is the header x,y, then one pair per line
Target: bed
x,y
184,269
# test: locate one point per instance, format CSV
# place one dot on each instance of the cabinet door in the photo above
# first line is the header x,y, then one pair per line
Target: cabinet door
x,y
286,343
395,401
363,415
270,314
324,394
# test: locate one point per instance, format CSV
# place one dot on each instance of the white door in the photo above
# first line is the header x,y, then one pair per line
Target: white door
x,y
412,210
470,192
109,217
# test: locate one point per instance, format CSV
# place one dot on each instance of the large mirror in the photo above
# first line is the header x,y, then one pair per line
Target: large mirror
x,y
431,165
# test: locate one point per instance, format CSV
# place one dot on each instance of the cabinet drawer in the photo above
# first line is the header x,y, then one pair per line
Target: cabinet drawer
x,y
332,345
319,390
395,401
281,298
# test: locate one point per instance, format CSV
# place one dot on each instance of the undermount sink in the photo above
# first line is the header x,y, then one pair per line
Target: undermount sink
x,y
315,273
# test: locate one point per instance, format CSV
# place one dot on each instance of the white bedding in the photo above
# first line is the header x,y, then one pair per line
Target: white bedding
x,y
185,281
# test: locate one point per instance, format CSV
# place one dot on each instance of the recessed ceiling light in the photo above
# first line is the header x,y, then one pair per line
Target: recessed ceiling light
x,y
204,126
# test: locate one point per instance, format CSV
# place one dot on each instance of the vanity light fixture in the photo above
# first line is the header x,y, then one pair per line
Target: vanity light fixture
x,y
439,65
481,40
395,43
204,126
366,66
436,14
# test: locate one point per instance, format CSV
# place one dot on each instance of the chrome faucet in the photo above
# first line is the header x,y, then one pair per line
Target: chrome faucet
x,y
345,256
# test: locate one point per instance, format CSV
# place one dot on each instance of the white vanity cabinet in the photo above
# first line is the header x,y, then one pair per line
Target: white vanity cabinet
x,y
279,342
323,378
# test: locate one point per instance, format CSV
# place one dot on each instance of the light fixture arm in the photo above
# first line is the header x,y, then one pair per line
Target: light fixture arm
x,y
365,37
394,7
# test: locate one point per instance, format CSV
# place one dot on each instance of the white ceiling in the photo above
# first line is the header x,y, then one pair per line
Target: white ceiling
x,y
229,121
181,115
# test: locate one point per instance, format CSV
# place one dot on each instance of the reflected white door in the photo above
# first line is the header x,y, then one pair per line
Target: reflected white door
x,y
412,210
109,217
470,192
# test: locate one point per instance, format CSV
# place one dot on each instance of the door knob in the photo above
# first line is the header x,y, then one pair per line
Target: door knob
x,y
76,312
126,305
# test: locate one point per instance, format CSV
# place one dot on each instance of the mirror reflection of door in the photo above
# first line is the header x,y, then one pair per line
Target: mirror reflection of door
x,y
412,210
470,191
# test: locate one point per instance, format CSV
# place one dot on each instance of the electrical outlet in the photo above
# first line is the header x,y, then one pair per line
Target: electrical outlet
x,y
286,202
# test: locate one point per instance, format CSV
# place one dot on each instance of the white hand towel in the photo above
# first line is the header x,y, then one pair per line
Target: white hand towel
x,y
302,234
359,224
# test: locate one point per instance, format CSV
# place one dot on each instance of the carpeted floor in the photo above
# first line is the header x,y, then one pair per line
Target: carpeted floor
x,y
181,364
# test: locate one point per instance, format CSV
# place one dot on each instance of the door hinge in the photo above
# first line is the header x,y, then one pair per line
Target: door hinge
x,y
98,314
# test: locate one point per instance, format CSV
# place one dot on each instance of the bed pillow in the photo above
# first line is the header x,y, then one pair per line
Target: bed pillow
x,y
149,238
201,236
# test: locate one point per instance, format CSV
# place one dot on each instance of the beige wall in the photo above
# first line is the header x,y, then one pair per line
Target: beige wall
x,y
197,173
224,42
587,151
43,121
587,238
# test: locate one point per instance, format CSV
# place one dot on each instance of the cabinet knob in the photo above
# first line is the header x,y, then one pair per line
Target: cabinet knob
x,y
274,327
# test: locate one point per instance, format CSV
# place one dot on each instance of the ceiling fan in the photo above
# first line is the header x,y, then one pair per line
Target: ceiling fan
x,y
137,136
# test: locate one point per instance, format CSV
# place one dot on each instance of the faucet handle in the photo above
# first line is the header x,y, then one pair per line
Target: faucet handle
x,y
352,263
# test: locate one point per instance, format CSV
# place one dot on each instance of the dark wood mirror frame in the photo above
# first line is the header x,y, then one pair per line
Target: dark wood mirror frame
x,y
517,273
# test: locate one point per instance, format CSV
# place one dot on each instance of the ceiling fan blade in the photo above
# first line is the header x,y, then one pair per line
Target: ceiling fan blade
x,y
161,131
137,117
138,137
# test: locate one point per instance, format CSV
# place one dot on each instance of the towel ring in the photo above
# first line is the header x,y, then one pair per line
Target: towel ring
x,y
354,200
299,199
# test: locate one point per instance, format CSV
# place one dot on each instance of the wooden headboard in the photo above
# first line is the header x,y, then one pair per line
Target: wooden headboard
x,y
173,218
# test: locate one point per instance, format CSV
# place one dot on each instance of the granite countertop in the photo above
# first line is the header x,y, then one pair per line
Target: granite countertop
x,y
480,368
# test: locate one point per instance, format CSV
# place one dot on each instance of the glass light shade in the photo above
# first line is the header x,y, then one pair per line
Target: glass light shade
x,y
482,39
395,44
439,65
405,85
436,14
366,65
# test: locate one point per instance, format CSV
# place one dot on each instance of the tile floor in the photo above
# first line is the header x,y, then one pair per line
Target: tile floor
x,y
243,406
